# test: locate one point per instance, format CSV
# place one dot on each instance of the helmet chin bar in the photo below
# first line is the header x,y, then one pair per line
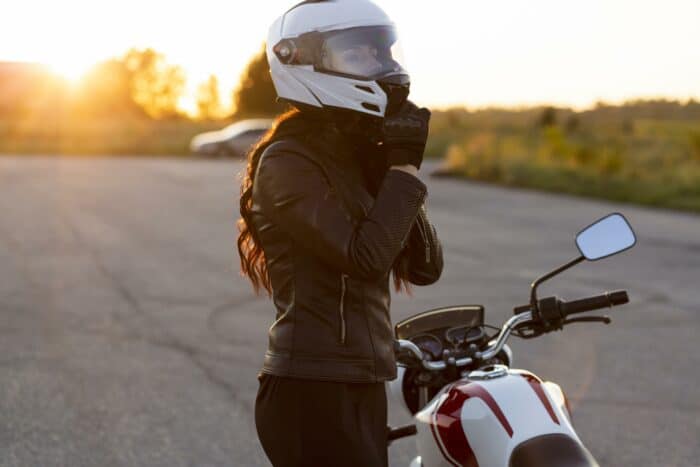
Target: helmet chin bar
x,y
396,87
360,124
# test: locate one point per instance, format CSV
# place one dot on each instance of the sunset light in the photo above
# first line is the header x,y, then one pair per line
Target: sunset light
x,y
468,53
69,69
212,255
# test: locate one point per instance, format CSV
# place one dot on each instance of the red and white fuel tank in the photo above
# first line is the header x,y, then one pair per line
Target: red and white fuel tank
x,y
481,419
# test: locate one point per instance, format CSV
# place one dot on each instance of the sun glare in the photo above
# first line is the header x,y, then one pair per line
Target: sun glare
x,y
622,60
70,70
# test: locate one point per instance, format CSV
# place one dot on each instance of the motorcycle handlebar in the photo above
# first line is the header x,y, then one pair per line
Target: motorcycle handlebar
x,y
607,300
492,350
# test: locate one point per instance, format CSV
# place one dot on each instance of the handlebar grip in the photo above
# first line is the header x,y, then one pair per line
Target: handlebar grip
x,y
607,300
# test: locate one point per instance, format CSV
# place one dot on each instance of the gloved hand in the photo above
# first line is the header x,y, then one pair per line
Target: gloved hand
x,y
405,134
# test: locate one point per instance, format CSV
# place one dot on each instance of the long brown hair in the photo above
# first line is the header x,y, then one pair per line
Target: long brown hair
x,y
293,123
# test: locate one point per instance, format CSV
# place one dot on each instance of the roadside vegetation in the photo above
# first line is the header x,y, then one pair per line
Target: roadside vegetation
x,y
125,105
645,152
103,136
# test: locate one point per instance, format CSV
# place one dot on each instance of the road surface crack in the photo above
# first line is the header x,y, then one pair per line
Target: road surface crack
x,y
166,340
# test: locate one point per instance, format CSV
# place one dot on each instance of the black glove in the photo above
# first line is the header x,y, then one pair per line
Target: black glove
x,y
405,135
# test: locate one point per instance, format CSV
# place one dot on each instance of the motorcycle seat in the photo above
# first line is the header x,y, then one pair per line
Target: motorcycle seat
x,y
553,450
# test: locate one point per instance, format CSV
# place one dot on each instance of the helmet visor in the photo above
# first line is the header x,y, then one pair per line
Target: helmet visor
x,y
369,52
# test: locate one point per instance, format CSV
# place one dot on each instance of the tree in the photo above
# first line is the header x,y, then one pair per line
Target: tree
x,y
140,82
255,95
548,117
572,123
208,100
156,86
106,91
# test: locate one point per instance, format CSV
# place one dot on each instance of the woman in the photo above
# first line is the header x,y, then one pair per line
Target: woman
x,y
330,208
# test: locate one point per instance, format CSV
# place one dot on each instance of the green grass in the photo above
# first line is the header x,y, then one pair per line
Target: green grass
x,y
653,162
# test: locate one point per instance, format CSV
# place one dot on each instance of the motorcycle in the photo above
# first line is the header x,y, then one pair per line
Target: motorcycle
x,y
469,406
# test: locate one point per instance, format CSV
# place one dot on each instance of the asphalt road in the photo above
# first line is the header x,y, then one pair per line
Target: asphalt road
x,y
127,337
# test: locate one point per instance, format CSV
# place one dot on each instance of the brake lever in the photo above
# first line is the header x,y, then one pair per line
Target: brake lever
x,y
588,319
528,331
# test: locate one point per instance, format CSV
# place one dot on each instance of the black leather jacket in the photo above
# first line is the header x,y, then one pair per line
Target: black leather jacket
x,y
329,247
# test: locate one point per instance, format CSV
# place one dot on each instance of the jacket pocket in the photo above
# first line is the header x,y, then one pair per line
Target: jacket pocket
x,y
341,308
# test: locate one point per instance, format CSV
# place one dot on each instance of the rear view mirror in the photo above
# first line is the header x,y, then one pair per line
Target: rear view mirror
x,y
606,237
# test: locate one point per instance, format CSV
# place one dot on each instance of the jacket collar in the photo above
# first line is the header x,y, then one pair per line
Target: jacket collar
x,y
334,143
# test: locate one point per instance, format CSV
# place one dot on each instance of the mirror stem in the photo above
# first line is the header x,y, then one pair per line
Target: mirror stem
x,y
549,275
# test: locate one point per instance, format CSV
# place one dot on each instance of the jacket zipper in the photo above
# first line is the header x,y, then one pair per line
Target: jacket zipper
x,y
424,235
343,288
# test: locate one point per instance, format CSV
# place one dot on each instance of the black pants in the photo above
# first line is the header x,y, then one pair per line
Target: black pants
x,y
317,423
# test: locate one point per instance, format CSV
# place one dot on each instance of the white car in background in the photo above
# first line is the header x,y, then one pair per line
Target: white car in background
x,y
236,139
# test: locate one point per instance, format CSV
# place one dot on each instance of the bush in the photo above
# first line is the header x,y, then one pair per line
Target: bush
x,y
610,155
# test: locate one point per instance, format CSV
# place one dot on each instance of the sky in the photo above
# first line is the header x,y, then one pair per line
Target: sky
x,y
459,52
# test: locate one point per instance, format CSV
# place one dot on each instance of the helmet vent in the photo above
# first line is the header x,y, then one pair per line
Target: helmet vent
x,y
365,89
372,107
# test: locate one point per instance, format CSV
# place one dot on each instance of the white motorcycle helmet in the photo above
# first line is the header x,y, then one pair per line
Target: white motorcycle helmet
x,y
338,54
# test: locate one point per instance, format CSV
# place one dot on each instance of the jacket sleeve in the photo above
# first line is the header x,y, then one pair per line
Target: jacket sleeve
x,y
425,259
293,191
